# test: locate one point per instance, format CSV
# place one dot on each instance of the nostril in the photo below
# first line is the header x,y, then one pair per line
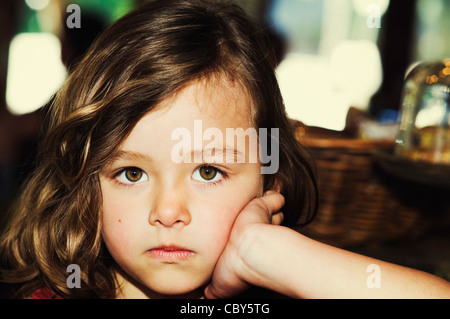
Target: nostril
x,y
169,216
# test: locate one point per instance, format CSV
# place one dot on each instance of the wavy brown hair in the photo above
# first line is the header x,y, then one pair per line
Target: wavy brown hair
x,y
139,61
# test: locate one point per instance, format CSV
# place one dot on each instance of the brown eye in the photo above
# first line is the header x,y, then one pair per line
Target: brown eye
x,y
133,174
207,172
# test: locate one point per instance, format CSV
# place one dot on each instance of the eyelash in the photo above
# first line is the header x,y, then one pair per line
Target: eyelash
x,y
123,170
221,172
204,183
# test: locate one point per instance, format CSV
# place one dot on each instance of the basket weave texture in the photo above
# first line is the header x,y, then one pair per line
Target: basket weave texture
x,y
358,202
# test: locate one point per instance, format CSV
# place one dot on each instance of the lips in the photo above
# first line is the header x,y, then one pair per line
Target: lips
x,y
170,253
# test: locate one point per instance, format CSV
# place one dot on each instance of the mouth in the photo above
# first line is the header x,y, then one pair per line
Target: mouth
x,y
170,254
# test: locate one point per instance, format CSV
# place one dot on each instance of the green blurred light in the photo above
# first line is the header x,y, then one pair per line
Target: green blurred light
x,y
110,9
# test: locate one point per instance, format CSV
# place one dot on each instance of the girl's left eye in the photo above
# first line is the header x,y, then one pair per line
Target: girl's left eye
x,y
132,175
207,173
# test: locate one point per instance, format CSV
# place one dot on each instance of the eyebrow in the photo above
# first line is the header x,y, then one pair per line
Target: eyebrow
x,y
230,154
235,155
129,155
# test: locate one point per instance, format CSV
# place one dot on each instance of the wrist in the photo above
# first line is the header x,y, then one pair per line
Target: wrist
x,y
261,253
251,254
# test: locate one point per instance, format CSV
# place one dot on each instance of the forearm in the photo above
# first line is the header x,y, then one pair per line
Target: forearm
x,y
283,260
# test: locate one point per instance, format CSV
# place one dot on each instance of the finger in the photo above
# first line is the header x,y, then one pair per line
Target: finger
x,y
261,209
213,291
277,218
273,201
209,293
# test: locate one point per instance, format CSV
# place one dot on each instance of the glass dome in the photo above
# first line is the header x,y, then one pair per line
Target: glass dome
x,y
424,134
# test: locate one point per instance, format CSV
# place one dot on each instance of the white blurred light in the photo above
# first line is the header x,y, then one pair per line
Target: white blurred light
x,y
361,6
356,70
431,116
307,91
37,4
434,106
319,91
35,71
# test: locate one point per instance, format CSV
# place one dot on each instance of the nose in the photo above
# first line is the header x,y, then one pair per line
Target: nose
x,y
169,209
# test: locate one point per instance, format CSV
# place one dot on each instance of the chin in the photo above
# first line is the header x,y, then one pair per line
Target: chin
x,y
178,289
166,284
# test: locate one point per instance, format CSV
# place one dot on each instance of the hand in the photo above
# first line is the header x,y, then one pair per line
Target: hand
x,y
231,274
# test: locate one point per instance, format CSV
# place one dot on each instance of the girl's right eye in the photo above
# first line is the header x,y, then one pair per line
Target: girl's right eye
x,y
131,175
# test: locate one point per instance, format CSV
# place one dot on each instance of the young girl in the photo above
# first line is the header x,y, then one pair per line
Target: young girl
x,y
110,195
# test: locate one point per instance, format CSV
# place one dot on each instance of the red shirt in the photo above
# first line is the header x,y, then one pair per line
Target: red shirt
x,y
44,293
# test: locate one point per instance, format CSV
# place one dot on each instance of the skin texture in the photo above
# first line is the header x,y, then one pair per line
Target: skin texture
x,y
228,228
171,204
310,269
281,259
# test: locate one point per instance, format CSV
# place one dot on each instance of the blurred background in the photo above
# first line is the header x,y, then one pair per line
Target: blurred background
x,y
341,63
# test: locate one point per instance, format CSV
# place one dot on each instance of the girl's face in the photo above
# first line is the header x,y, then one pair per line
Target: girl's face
x,y
166,223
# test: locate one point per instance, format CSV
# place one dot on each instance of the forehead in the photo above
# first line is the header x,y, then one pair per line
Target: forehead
x,y
217,102
219,106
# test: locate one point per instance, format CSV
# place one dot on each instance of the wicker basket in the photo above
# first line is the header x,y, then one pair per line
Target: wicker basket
x,y
359,202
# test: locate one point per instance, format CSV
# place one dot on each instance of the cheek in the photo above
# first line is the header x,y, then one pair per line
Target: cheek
x,y
115,233
215,230
118,225
216,217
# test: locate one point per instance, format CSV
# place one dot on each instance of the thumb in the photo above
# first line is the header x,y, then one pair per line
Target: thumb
x,y
209,292
273,201
212,291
